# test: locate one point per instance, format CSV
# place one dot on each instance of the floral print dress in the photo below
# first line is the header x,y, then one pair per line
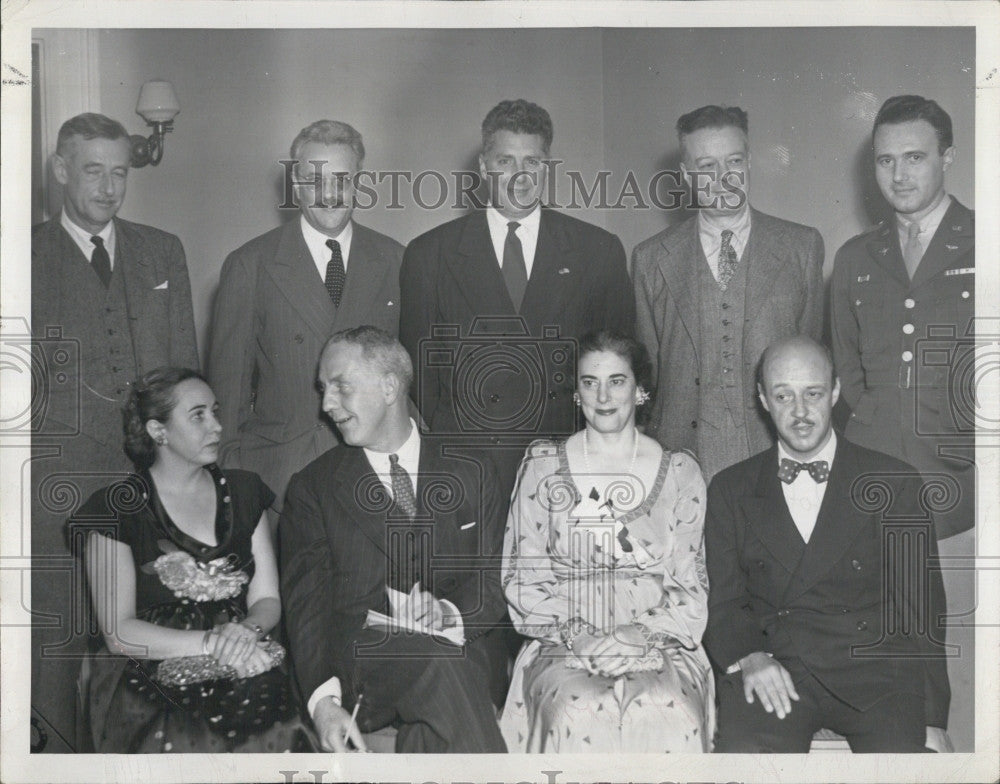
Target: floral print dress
x,y
182,583
573,559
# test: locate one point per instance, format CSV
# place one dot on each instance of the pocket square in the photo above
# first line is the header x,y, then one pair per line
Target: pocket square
x,y
466,526
564,271
163,286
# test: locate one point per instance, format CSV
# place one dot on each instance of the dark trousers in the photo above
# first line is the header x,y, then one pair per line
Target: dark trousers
x,y
893,724
436,693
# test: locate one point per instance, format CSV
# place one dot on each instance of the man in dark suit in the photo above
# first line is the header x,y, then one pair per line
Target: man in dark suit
x,y
282,295
818,555
714,291
390,510
110,300
493,301
902,305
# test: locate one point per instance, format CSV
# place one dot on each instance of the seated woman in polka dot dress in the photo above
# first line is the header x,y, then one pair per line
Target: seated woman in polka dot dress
x,y
185,587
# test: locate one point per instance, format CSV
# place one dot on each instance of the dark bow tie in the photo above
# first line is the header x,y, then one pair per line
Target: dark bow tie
x,y
819,470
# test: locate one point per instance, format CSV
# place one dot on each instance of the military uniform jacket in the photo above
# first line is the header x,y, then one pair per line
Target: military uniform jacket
x,y
904,351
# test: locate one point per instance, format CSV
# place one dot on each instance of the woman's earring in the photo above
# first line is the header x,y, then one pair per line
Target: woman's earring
x,y
161,440
576,398
641,396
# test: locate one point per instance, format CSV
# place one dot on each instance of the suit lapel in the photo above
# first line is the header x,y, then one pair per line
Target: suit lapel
x,y
359,490
837,525
295,275
366,271
765,261
553,273
768,515
476,270
955,237
883,247
679,267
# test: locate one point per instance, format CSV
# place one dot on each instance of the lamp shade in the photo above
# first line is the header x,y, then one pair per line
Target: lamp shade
x,y
157,102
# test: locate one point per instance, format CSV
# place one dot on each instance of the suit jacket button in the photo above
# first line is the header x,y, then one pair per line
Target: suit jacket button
x,y
299,338
862,625
552,395
494,398
694,423
782,613
697,381
856,564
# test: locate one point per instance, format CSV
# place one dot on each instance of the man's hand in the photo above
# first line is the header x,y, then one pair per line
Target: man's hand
x,y
771,682
422,608
938,740
332,722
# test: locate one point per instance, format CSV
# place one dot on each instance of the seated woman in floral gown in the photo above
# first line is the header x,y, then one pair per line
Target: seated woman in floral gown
x,y
603,567
185,587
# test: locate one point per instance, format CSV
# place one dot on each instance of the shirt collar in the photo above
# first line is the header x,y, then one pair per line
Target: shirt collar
x,y
715,225
826,453
82,237
316,240
408,452
929,223
529,222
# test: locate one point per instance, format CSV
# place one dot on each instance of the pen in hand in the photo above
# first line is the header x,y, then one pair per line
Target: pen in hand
x,y
354,718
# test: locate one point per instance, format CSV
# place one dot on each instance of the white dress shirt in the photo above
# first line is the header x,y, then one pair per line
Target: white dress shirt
x,y
805,495
316,242
928,225
409,459
527,233
710,233
82,237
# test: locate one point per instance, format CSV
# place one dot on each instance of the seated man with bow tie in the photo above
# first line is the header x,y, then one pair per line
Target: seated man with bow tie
x,y
390,511
819,563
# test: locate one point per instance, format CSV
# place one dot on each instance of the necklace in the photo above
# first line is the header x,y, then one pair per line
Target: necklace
x,y
635,451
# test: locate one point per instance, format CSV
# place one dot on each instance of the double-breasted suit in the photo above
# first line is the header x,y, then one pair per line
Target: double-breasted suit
x,y
783,263
343,542
852,606
272,318
487,369
90,343
904,351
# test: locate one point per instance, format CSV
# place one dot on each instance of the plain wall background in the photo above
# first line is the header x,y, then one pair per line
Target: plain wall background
x,y
418,98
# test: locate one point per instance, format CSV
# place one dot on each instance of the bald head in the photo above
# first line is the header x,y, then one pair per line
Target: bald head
x,y
797,349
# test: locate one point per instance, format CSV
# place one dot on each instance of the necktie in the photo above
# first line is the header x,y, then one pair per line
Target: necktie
x,y
402,489
515,273
819,470
727,260
336,275
101,261
913,251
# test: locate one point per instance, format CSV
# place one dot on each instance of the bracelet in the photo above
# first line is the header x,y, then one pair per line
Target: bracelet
x,y
254,627
204,642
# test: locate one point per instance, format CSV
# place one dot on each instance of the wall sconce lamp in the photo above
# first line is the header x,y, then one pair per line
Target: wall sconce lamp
x,y
157,106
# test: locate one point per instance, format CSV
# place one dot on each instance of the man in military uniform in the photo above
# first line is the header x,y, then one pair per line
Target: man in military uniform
x,y
903,299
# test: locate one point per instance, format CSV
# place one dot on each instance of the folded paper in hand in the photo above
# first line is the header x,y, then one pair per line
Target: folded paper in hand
x,y
400,619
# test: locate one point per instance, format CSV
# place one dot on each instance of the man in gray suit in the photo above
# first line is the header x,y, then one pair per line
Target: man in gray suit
x,y
714,291
110,300
282,295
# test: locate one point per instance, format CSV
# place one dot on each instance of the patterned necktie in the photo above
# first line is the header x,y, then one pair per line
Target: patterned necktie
x,y
819,470
101,261
727,260
402,488
913,251
515,273
336,275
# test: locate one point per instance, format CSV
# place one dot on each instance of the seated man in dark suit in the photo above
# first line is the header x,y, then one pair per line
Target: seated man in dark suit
x,y
814,614
390,510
